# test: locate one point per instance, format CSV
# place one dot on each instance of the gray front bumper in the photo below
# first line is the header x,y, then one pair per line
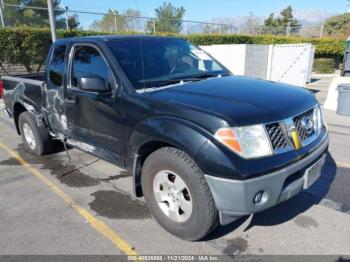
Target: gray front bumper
x,y
234,198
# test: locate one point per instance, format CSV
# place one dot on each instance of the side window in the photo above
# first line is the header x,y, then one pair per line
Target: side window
x,y
88,61
57,65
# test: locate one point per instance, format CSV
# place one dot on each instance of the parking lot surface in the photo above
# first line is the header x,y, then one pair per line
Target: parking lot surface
x,y
51,206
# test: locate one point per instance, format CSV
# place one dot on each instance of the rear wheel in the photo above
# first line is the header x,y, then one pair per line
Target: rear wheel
x,y
36,140
177,194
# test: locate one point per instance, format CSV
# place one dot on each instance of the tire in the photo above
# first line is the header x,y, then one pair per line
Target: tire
x,y
173,163
36,140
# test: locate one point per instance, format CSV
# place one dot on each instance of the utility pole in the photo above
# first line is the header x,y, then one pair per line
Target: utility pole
x,y
288,29
321,31
52,21
115,20
2,17
2,13
66,12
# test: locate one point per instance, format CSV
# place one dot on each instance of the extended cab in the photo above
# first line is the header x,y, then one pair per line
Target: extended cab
x,y
202,145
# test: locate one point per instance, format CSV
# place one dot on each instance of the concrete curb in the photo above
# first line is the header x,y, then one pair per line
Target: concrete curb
x,y
324,75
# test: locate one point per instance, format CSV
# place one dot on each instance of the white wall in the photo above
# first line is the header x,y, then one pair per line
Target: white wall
x,y
289,63
231,56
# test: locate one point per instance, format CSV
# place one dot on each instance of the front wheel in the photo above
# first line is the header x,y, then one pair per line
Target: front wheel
x,y
177,194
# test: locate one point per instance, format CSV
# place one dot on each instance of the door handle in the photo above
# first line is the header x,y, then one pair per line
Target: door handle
x,y
70,99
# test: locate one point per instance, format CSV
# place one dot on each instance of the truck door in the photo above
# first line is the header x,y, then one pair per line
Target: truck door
x,y
94,119
55,79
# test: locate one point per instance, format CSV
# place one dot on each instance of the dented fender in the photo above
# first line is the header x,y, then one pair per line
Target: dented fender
x,y
172,131
168,130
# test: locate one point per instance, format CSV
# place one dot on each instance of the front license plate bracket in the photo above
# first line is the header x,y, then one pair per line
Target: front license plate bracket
x,y
313,172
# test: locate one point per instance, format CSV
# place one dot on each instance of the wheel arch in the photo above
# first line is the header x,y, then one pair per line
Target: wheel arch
x,y
21,105
156,133
18,109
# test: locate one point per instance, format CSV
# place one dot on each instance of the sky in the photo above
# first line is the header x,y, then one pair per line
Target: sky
x,y
202,10
207,9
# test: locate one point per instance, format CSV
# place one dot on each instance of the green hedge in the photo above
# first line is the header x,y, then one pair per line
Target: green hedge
x,y
29,47
325,47
25,47
324,65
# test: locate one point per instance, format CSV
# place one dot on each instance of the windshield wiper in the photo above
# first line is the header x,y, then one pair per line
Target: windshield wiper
x,y
205,75
202,76
161,81
165,82
179,80
161,84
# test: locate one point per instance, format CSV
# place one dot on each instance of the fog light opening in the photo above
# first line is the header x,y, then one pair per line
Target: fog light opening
x,y
260,197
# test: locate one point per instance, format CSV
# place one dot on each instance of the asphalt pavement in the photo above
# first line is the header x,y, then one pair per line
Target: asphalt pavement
x,y
51,206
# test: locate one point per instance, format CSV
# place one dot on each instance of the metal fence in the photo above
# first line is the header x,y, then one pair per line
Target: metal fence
x,y
37,17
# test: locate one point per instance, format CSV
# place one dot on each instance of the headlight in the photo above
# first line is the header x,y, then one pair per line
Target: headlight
x,y
317,119
247,141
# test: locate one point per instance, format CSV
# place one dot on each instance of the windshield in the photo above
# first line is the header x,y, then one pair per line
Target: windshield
x,y
154,62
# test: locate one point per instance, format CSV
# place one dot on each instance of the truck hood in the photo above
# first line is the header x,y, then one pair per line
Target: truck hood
x,y
239,100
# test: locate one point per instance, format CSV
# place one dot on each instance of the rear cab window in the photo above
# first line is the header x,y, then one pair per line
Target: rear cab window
x,y
57,65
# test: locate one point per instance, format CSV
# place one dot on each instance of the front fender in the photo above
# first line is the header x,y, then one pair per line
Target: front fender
x,y
177,132
172,131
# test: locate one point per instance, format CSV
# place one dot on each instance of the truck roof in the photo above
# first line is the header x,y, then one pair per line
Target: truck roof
x,y
107,38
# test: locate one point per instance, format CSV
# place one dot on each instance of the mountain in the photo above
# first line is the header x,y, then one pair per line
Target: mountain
x,y
305,17
308,17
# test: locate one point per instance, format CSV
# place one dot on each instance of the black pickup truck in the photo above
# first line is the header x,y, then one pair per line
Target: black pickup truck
x,y
203,146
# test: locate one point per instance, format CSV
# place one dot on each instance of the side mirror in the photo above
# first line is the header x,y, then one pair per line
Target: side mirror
x,y
92,84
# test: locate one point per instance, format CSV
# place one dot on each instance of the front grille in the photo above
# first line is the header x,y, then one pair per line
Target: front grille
x,y
303,135
276,135
278,131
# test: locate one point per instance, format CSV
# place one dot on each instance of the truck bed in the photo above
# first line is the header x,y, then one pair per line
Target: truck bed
x,y
29,86
36,77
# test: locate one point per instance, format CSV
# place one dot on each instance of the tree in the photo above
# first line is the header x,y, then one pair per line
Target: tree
x,y
338,25
220,25
271,26
23,14
73,21
279,24
106,24
168,18
270,21
131,20
251,25
207,29
113,21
